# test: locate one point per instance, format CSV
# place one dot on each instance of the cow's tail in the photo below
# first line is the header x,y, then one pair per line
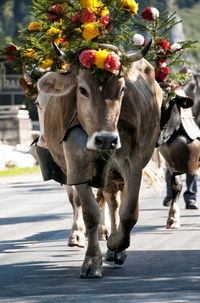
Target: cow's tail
x,y
155,171
100,199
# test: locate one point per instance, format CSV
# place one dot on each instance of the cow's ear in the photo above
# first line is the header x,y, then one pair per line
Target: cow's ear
x,y
56,84
184,102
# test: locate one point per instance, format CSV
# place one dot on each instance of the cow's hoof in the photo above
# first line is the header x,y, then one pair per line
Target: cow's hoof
x,y
110,256
76,240
173,224
120,257
118,242
91,269
116,257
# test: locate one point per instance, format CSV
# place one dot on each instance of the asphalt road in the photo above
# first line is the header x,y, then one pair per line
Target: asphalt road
x,y
36,265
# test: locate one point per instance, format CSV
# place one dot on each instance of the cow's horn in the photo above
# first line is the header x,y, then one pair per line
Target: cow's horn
x,y
110,46
26,75
141,54
59,53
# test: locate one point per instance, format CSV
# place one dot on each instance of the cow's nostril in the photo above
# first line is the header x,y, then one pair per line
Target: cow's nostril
x,y
106,142
98,141
114,143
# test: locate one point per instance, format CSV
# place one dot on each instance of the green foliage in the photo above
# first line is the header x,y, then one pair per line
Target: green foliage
x,y
14,15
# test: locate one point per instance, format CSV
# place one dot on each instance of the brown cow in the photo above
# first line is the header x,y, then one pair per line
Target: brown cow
x,y
77,234
102,135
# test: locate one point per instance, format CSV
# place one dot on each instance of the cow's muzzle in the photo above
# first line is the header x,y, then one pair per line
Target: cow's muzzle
x,y
104,141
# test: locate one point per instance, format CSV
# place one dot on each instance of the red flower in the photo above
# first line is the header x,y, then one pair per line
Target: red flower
x,y
75,17
146,14
162,73
87,16
164,44
150,13
64,43
84,16
163,60
10,58
11,52
105,20
56,12
87,58
112,63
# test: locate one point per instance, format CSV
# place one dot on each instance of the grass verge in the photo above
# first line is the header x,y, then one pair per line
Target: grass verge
x,y
14,171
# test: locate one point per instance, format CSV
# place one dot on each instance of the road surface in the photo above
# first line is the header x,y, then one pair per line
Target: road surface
x,y
36,265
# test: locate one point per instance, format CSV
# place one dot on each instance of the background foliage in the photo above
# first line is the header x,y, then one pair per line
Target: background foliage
x,y
15,15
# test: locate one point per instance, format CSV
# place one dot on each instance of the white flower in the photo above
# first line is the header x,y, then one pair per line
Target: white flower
x,y
138,39
175,46
180,92
155,13
161,50
163,64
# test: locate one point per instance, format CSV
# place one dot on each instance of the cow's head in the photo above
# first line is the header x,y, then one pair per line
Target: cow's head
x,y
97,104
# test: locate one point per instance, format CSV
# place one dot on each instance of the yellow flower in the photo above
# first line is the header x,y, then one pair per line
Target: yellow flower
x,y
100,58
89,4
104,11
131,4
78,30
48,62
101,9
35,26
96,6
90,31
29,53
54,34
65,66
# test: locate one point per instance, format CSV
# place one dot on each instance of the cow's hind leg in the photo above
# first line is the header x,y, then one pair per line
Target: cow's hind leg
x,y
77,235
173,220
92,265
120,240
104,226
113,201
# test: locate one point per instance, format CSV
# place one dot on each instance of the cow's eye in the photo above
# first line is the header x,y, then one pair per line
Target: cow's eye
x,y
83,91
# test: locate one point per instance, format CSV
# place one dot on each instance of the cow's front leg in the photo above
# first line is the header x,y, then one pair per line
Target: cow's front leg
x,y
120,240
173,220
92,265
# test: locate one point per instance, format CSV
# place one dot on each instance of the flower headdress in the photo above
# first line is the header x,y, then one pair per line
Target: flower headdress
x,y
91,34
79,28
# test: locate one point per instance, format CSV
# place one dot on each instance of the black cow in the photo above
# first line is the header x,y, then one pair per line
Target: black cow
x,y
192,89
179,145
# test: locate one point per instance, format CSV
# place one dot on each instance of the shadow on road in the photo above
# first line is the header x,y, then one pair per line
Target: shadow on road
x,y
154,272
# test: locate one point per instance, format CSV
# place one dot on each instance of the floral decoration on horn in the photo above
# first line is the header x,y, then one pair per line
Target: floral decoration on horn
x,y
98,35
